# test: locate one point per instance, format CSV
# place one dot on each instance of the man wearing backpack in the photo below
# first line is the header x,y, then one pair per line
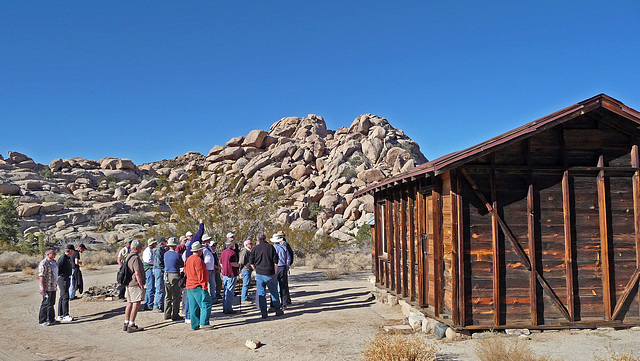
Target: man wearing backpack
x,y
135,289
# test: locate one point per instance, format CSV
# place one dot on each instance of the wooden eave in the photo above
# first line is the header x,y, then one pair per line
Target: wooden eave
x,y
456,159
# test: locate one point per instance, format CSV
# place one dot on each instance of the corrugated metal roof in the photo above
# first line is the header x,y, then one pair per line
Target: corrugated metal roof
x,y
450,160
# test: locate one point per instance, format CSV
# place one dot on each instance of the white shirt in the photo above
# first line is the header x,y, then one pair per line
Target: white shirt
x,y
209,261
147,255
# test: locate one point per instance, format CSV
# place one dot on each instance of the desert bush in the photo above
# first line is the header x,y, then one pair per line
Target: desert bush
x,y
92,259
137,218
144,196
305,242
68,203
612,355
162,182
14,261
399,348
349,173
28,271
498,349
54,198
9,220
363,237
332,274
46,172
354,160
314,209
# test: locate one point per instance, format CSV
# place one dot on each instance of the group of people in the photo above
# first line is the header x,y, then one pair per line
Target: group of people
x,y
170,272
65,275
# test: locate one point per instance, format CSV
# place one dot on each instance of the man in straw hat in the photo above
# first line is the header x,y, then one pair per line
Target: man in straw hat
x,y
264,261
147,261
172,264
197,294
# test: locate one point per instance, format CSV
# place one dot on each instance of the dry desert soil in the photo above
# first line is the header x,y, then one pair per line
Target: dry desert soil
x,y
329,320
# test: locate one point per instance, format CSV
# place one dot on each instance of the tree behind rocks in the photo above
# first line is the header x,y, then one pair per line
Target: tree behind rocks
x,y
9,220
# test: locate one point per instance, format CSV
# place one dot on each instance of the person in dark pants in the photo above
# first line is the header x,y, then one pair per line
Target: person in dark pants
x,y
47,273
65,268
264,260
282,274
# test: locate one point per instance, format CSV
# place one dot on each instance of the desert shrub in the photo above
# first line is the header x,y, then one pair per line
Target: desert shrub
x,y
14,261
137,218
162,182
101,220
54,198
314,209
497,349
356,262
108,182
332,274
399,348
305,242
612,355
92,259
46,172
9,220
363,237
349,173
354,160
68,203
28,271
144,196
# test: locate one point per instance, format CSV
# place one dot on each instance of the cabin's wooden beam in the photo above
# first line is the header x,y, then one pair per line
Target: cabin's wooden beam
x,y
517,247
403,242
495,248
396,242
635,162
604,241
390,252
422,279
412,242
455,254
533,284
377,246
568,242
437,249
462,301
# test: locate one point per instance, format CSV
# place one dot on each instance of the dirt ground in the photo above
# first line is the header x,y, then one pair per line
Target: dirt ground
x,y
329,320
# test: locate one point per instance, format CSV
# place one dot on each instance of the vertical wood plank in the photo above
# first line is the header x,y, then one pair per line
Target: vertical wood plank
x,y
635,163
604,241
461,264
421,230
455,312
403,241
389,238
568,243
377,240
437,250
533,283
396,237
412,242
495,247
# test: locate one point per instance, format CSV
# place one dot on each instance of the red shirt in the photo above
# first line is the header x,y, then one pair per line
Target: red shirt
x,y
196,272
227,257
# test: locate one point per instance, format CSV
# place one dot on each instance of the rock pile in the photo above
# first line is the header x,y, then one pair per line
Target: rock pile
x,y
318,170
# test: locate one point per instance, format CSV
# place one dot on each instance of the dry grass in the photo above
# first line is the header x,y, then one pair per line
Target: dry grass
x,y
93,259
14,261
332,274
28,271
399,347
498,349
612,355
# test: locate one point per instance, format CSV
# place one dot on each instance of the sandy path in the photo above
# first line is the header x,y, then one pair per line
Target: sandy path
x,y
330,320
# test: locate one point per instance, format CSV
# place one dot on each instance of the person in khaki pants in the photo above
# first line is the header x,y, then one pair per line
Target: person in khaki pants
x,y
173,294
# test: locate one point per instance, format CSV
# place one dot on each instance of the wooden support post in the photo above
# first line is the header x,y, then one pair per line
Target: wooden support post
x,y
625,294
455,254
604,241
437,250
495,247
422,279
403,243
389,237
533,284
568,243
462,266
635,163
377,241
412,242
396,240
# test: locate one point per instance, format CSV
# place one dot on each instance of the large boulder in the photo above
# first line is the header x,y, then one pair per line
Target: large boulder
x,y
8,189
15,157
28,209
255,138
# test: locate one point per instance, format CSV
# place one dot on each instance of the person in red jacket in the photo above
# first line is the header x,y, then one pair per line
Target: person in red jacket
x,y
197,294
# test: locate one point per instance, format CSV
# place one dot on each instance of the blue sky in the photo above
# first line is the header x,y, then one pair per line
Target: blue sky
x,y
150,80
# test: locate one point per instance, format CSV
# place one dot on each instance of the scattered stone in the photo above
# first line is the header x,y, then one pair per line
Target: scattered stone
x,y
440,330
252,344
517,331
402,329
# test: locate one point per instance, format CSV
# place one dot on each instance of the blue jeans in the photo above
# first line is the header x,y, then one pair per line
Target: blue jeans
x,y
262,283
227,297
158,274
212,285
72,285
151,288
246,278
200,306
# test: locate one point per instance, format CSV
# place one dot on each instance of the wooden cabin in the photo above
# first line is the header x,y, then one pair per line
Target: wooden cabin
x,y
536,228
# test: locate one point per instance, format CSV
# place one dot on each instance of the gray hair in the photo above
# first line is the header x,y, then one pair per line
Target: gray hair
x,y
261,237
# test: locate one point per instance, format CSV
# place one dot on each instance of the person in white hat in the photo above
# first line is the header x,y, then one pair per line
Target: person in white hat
x,y
172,263
197,284
210,262
147,261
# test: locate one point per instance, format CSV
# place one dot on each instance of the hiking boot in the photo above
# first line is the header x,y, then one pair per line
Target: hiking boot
x,y
230,312
125,327
280,313
206,327
134,328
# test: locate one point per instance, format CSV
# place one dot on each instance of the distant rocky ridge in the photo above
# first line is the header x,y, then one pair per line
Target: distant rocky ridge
x,y
101,202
